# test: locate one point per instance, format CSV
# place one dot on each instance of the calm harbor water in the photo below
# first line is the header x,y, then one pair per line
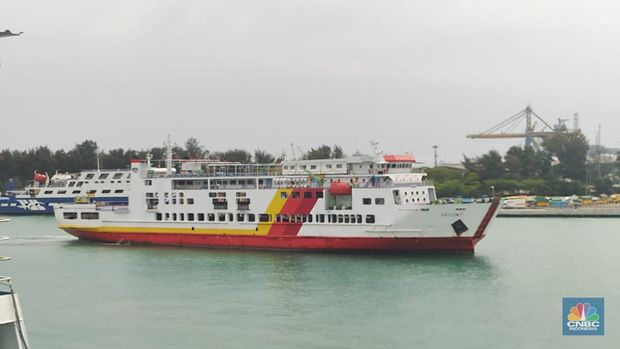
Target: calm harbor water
x,y
508,295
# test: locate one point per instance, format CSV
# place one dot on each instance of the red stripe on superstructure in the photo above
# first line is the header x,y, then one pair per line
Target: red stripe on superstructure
x,y
428,244
294,206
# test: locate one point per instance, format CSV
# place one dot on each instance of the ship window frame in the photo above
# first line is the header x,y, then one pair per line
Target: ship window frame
x,y
118,191
307,195
190,217
70,215
158,216
370,219
48,192
283,195
240,217
221,217
211,217
105,191
174,216
201,217
71,184
264,217
117,175
319,195
190,201
62,192
89,176
379,201
366,201
103,176
295,195
220,204
76,192
251,217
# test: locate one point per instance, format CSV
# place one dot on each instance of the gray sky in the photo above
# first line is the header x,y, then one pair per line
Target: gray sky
x,y
250,74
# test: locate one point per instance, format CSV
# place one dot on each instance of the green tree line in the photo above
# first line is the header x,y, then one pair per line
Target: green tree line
x,y
560,167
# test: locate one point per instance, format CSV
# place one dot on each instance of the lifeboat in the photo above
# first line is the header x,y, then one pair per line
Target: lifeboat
x,y
338,188
40,178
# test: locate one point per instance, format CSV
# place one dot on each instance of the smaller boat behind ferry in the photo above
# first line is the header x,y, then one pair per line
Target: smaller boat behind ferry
x,y
362,203
38,197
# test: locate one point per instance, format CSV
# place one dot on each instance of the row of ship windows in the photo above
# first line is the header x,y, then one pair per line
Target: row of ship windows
x,y
330,166
378,201
219,198
89,192
220,194
105,175
265,218
312,167
307,195
83,215
79,184
242,194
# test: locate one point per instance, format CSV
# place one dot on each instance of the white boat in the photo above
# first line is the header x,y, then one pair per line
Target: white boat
x,y
367,203
12,328
43,191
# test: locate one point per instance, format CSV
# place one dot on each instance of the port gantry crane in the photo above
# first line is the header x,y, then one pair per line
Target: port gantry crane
x,y
532,134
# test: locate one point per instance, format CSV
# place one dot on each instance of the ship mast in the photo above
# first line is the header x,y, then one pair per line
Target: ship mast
x,y
169,157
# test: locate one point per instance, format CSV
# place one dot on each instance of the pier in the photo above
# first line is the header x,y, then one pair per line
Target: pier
x,y
611,211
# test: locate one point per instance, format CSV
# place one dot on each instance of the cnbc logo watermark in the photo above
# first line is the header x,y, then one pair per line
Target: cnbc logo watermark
x,y
583,316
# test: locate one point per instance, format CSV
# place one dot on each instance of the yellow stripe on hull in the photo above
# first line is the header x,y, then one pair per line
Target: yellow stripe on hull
x,y
275,206
160,230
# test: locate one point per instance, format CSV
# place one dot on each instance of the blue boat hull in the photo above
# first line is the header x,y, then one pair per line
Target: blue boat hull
x,y
43,206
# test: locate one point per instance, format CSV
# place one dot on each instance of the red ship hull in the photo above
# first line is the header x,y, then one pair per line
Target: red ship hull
x,y
439,244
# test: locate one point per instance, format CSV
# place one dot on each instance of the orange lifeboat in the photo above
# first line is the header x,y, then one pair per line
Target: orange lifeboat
x,y
338,188
40,178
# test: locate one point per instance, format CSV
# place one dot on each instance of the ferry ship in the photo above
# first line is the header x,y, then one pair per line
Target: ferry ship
x,y
39,196
365,203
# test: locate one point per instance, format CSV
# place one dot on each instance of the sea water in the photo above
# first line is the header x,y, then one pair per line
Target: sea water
x,y
508,294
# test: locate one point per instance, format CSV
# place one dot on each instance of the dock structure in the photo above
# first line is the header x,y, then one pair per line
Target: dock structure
x,y
612,211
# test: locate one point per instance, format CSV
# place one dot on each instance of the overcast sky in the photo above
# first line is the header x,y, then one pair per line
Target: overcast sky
x,y
408,74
